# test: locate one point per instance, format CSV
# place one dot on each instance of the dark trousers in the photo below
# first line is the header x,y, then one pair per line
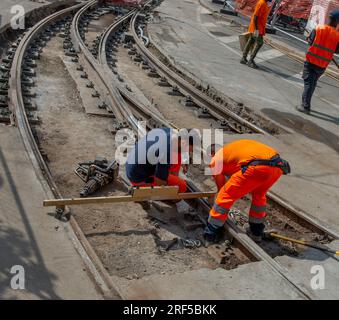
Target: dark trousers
x,y
254,44
311,74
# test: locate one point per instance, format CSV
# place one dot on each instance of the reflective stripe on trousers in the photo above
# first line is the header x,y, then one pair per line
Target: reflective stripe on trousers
x,y
256,180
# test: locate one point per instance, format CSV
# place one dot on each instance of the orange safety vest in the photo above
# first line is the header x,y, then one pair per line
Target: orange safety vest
x,y
232,156
261,11
324,46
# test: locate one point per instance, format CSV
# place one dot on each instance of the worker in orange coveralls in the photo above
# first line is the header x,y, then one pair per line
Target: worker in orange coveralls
x,y
257,28
252,167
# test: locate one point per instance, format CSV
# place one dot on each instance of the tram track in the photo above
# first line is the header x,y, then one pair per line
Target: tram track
x,y
295,214
125,106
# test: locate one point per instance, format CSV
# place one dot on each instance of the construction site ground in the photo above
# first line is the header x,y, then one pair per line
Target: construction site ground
x,y
125,236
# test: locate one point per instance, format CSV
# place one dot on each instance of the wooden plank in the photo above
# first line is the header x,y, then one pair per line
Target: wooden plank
x,y
155,192
128,198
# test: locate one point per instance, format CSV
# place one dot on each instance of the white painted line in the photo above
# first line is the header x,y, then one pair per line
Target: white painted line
x,y
209,25
294,77
229,39
269,54
205,11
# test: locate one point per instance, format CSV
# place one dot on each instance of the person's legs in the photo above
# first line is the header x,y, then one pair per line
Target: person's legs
x,y
310,82
257,212
248,47
259,42
236,187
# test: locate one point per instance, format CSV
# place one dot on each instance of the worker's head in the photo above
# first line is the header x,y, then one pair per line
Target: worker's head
x,y
334,18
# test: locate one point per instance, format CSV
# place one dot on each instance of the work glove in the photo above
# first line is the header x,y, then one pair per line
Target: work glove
x,y
256,33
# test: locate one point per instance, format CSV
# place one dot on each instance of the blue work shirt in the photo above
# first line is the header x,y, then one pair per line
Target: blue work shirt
x,y
151,156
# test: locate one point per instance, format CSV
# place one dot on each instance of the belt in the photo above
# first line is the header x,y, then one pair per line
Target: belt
x,y
275,161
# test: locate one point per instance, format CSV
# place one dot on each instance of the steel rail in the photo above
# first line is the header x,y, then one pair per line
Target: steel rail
x,y
201,100
116,102
102,58
43,173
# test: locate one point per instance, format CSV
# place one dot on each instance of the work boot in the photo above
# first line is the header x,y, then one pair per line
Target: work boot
x,y
252,64
211,234
209,240
303,109
255,238
243,60
256,231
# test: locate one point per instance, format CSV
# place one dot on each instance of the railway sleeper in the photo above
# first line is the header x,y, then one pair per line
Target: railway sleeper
x,y
203,113
27,82
175,92
30,63
33,117
95,94
163,83
29,72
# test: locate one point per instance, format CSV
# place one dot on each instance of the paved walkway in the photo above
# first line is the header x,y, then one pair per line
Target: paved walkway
x,y
31,238
250,281
6,7
209,49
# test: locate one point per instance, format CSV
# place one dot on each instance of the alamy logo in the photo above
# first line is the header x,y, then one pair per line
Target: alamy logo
x,y
318,281
18,278
18,19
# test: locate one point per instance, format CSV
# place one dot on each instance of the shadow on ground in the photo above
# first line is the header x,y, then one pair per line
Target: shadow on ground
x,y
306,127
21,248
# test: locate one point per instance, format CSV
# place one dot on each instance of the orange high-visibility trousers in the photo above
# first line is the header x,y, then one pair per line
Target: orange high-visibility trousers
x,y
256,180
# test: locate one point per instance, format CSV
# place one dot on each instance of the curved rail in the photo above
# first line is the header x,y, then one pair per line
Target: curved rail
x,y
17,106
117,103
187,89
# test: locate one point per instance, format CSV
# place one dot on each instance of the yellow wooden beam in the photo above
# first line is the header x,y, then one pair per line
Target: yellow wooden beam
x,y
141,194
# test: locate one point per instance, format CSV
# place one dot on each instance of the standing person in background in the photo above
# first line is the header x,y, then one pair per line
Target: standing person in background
x,y
324,43
257,28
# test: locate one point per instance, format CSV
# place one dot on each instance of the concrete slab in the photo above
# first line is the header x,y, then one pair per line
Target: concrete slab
x,y
6,7
317,271
31,238
251,281
274,90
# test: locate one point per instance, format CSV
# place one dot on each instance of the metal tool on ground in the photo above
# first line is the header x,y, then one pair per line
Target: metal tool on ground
x,y
273,235
96,174
191,243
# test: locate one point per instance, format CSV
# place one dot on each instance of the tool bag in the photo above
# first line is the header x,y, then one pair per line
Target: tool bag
x,y
275,161
243,39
